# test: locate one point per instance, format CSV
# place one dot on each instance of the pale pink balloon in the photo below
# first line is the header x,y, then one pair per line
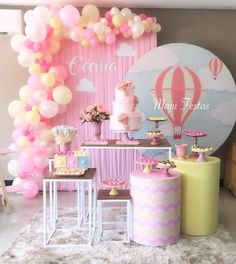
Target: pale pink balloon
x,y
62,73
20,123
110,39
48,108
69,15
23,175
36,130
29,44
36,31
39,95
76,33
34,81
26,165
41,161
30,189
94,42
88,33
124,28
16,134
51,150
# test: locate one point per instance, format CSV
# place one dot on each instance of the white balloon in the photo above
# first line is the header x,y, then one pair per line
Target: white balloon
x,y
41,14
13,167
137,29
36,31
115,11
17,42
104,21
26,58
29,16
99,28
126,13
137,19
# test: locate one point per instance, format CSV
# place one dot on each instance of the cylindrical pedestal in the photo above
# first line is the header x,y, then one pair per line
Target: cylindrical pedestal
x,y
199,195
156,207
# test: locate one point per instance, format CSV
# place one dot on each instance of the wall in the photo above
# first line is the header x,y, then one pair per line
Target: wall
x,y
210,29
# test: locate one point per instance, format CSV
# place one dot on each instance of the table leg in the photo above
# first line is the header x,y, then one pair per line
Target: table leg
x,y
79,205
50,203
94,203
54,209
128,221
44,212
169,152
90,211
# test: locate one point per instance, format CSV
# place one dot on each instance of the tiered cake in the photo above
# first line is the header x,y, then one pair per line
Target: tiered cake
x,y
125,117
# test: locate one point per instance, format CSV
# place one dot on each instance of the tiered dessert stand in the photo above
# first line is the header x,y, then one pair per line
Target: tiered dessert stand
x,y
165,166
195,135
155,134
147,162
201,150
113,184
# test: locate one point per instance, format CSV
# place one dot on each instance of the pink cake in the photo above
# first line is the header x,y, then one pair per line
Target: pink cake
x,y
156,207
125,117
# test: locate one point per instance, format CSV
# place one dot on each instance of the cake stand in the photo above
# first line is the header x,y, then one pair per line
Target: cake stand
x,y
147,162
113,184
155,135
126,140
156,119
166,165
195,135
201,150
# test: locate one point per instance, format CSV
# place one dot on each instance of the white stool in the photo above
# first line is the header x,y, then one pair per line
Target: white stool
x,y
122,197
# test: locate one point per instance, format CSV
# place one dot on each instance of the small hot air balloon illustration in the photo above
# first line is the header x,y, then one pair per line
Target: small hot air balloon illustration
x,y
215,66
172,88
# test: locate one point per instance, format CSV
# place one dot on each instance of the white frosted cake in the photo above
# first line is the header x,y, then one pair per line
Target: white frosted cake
x,y
125,117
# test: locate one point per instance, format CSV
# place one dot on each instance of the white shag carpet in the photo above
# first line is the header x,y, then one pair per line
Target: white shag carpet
x,y
218,248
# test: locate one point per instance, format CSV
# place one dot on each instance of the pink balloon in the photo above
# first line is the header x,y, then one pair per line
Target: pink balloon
x,y
39,95
88,33
108,16
124,28
62,109
41,161
76,33
34,81
30,189
149,20
51,150
48,108
26,165
31,138
29,44
142,16
94,42
69,15
16,134
23,175
110,39
20,123
39,150
35,130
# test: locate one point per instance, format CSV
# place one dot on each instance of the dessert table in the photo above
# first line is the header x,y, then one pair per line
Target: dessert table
x,y
50,222
200,195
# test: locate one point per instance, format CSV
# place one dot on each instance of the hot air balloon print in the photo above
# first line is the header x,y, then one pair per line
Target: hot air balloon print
x,y
177,89
215,66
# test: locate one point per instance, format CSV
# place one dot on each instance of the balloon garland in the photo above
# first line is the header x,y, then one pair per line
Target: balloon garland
x,y
45,95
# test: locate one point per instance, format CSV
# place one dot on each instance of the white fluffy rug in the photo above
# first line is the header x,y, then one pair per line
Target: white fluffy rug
x,y
219,248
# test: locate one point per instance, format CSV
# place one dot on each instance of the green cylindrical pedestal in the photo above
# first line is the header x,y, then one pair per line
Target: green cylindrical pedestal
x,y
200,195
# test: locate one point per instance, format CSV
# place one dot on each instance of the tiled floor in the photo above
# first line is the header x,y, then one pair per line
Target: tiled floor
x,y
23,209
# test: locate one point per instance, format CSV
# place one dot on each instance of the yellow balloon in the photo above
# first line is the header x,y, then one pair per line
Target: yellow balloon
x,y
32,117
16,108
25,93
85,42
55,22
46,135
58,32
145,24
101,38
39,55
23,142
35,109
62,95
156,27
34,68
91,11
83,21
118,20
48,80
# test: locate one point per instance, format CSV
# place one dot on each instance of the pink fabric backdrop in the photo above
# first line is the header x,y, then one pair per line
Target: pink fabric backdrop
x,y
109,163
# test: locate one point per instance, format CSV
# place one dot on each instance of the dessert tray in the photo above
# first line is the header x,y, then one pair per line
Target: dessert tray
x,y
156,119
166,165
201,150
113,184
69,171
155,135
147,162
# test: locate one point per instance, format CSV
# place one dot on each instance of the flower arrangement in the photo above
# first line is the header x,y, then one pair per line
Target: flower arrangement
x,y
94,113
63,134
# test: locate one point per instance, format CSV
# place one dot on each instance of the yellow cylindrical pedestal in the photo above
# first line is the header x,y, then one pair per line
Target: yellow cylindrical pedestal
x,y
199,195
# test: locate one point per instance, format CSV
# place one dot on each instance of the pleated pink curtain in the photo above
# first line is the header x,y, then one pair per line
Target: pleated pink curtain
x,y
109,163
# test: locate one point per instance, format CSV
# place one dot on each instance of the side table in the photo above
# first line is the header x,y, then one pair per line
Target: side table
x,y
88,177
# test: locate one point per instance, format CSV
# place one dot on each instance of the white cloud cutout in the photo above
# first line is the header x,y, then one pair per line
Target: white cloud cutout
x,y
223,82
157,59
85,86
125,50
166,129
225,112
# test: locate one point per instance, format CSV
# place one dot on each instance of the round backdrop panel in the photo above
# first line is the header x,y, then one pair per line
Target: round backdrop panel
x,y
190,86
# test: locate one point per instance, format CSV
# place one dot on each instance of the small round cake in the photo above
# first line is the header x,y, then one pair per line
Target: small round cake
x,y
201,149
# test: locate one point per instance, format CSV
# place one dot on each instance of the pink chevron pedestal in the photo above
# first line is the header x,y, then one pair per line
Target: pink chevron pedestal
x,y
156,207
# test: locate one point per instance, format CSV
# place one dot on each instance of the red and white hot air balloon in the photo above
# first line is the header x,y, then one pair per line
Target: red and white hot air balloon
x,y
177,90
215,66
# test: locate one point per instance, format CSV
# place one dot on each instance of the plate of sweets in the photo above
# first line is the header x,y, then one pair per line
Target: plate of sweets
x,y
201,150
148,162
155,135
69,171
166,165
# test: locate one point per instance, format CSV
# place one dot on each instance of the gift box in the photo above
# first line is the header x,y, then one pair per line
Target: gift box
x,y
83,159
60,161
71,160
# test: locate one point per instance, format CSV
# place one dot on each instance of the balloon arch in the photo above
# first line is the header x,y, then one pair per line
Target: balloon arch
x,y
45,94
